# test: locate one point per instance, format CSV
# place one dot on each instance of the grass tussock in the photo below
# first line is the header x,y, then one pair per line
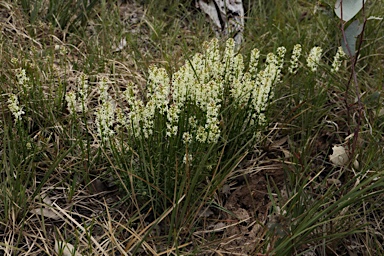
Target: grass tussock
x,y
126,130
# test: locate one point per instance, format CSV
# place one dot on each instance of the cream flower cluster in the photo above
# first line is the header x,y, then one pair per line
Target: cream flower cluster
x,y
337,59
295,59
13,100
200,84
70,98
314,57
105,113
265,81
77,101
13,105
197,92
22,78
141,114
256,87
205,78
134,111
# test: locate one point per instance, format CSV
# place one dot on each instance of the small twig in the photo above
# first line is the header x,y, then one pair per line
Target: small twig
x,y
354,59
359,102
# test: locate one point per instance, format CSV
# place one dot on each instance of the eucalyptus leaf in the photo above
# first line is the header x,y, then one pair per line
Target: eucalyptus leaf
x,y
351,33
347,9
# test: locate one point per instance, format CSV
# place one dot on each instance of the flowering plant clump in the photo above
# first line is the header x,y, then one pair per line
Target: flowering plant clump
x,y
207,112
204,84
178,118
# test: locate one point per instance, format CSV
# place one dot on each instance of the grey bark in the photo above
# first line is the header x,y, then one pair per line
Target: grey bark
x,y
227,16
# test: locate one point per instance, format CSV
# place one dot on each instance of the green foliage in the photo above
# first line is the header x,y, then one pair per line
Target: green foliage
x,y
184,135
320,213
67,15
59,136
346,10
326,205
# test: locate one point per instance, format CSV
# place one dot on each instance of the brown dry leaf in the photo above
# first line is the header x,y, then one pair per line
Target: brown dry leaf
x,y
65,249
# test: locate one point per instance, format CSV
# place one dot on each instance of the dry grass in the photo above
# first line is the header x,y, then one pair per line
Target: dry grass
x,y
65,190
